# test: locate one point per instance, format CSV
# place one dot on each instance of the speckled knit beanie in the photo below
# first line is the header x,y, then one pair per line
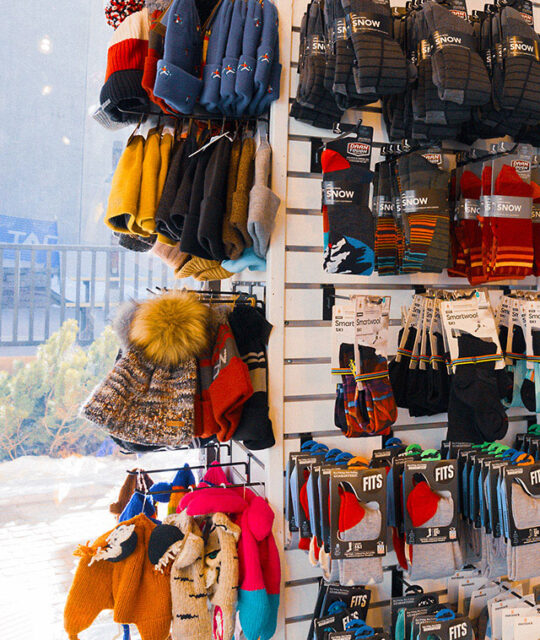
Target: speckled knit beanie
x,y
149,396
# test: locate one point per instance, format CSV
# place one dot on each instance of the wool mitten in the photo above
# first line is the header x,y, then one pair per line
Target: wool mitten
x,y
221,574
358,522
191,618
350,223
475,411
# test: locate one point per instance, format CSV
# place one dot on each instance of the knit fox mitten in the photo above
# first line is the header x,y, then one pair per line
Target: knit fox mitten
x,y
221,574
191,618
357,522
426,508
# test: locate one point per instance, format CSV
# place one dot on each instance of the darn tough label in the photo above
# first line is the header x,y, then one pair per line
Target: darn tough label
x,y
518,46
423,200
433,158
508,207
468,209
359,22
449,38
358,149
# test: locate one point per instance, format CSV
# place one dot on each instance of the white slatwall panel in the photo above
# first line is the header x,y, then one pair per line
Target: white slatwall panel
x,y
301,387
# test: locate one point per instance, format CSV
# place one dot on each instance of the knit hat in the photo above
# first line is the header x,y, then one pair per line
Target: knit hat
x,y
263,203
138,503
115,573
267,64
125,63
233,240
156,40
190,616
221,574
116,11
203,270
217,42
126,185
230,59
135,243
149,396
247,62
171,256
214,200
248,260
177,80
240,198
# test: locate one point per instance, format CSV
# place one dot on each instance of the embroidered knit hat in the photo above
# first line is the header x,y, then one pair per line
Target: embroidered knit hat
x,y
149,396
230,59
177,80
115,573
125,63
247,62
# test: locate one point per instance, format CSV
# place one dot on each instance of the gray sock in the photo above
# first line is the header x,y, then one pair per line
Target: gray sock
x,y
362,571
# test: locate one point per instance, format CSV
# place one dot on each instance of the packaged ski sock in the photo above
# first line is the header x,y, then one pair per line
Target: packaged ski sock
x,y
340,418
510,238
438,380
535,184
475,411
399,371
381,67
524,560
426,508
358,522
521,89
468,228
457,70
386,249
530,389
373,376
350,222
351,396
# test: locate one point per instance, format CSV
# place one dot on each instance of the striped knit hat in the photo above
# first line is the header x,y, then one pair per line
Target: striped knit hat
x,y
125,63
149,396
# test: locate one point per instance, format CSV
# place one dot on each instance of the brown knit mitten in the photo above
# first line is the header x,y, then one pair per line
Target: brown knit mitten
x,y
221,574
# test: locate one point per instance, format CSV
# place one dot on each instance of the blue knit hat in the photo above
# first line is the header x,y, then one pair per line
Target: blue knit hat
x,y
248,260
138,503
217,43
232,54
267,52
272,91
245,73
177,79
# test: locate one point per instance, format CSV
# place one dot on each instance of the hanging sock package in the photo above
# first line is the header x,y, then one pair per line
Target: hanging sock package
x,y
347,219
358,524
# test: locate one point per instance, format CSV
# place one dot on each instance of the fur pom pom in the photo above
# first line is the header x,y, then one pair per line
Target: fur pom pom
x,y
171,328
122,322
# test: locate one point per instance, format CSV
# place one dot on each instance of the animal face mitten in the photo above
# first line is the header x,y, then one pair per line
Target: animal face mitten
x,y
115,573
190,615
221,574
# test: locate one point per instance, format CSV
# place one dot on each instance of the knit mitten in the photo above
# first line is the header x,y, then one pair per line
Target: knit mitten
x,y
357,522
221,574
185,547
263,203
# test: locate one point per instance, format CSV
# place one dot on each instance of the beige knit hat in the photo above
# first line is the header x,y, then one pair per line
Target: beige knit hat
x,y
170,255
202,269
